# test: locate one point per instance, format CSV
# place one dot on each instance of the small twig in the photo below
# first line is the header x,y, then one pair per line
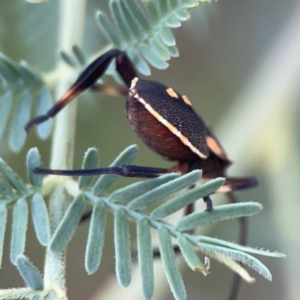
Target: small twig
x,y
236,283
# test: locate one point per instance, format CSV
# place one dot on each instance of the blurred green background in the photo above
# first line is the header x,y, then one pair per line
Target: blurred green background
x,y
239,64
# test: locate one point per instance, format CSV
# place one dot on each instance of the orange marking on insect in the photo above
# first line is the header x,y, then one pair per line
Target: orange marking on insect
x,y
172,93
186,100
214,146
171,127
68,96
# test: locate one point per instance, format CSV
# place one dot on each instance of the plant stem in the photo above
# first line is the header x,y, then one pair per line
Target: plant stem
x,y
71,20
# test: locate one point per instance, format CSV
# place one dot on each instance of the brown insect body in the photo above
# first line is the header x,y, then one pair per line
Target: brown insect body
x,y
156,136
158,115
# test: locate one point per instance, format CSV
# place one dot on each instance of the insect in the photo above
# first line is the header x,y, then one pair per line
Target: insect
x,y
163,119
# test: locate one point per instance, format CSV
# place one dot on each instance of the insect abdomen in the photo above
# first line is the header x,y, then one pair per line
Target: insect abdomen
x,y
154,134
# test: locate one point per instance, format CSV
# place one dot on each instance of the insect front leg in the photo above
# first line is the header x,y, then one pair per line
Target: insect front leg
x,y
87,79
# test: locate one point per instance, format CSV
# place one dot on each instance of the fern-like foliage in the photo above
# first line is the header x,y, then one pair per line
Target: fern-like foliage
x,y
20,88
14,192
77,58
134,202
142,29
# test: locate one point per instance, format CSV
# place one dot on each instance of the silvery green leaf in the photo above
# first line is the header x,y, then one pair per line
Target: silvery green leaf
x,y
189,254
134,9
9,73
119,19
95,241
40,219
106,181
173,22
12,66
166,189
107,28
138,61
173,51
90,161
34,161
131,22
29,273
68,225
78,53
6,101
167,36
219,213
5,189
151,10
122,248
187,198
44,103
15,181
68,59
152,57
136,189
225,244
163,4
173,4
19,228
159,50
244,258
20,293
3,220
29,76
170,264
17,134
3,86
169,50
145,258
182,14
230,263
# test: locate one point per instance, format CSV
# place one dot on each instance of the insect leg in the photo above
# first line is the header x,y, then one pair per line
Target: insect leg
x,y
209,204
123,170
87,79
237,183
109,90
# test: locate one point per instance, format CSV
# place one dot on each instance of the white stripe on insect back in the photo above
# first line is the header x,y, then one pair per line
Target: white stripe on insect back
x,y
162,120
133,82
178,133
